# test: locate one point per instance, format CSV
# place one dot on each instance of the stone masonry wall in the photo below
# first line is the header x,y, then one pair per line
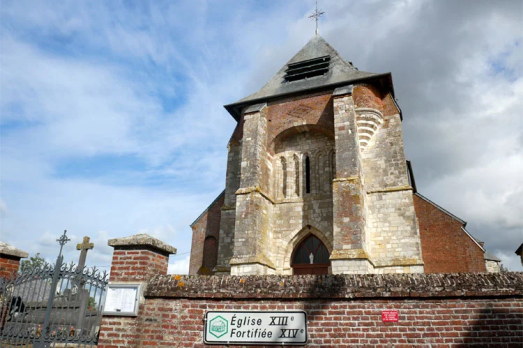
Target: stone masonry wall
x,y
384,163
492,266
228,214
395,245
446,247
263,212
252,238
350,254
445,310
394,241
295,209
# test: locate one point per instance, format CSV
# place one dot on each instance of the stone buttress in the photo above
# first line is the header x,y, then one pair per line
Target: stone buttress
x,y
253,204
350,254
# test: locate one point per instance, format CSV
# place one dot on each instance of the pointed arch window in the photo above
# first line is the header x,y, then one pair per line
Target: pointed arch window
x,y
311,251
319,177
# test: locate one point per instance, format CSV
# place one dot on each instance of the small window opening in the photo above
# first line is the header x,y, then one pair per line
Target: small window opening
x,y
307,175
319,176
284,176
296,175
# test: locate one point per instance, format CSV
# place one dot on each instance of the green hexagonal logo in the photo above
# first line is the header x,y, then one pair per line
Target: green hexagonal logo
x,y
218,326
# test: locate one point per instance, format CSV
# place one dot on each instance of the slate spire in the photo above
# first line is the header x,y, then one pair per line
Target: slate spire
x,y
339,72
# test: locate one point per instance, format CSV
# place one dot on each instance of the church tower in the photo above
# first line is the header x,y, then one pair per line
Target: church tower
x,y
317,180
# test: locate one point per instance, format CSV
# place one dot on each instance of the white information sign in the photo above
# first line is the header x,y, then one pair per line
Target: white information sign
x,y
255,327
122,299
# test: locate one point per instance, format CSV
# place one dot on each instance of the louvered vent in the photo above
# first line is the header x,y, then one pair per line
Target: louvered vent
x,y
307,68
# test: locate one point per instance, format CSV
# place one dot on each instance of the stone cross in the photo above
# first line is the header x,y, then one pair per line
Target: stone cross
x,y
84,247
83,293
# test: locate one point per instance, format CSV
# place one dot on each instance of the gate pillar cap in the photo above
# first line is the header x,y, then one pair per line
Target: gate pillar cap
x,y
10,250
142,239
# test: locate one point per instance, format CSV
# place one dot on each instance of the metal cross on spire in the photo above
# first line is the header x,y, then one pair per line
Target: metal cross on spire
x,y
316,15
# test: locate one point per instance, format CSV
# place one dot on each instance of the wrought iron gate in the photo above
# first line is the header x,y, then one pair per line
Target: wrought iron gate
x,y
54,304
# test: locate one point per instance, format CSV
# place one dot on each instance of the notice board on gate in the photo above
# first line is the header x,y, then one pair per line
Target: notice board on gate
x,y
122,299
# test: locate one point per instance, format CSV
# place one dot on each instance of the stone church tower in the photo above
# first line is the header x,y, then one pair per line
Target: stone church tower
x,y
317,181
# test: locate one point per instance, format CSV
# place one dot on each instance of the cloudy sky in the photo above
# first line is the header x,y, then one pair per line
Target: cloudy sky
x,y
112,121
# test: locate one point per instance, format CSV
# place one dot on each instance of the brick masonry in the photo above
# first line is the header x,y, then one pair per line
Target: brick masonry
x,y
8,265
446,247
205,229
443,310
131,263
10,259
138,257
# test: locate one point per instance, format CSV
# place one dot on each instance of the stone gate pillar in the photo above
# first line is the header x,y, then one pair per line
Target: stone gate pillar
x,y
349,253
10,259
135,259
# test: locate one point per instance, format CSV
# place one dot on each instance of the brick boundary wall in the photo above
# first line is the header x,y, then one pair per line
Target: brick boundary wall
x,y
435,310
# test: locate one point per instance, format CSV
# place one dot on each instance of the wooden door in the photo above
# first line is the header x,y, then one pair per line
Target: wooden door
x,y
311,257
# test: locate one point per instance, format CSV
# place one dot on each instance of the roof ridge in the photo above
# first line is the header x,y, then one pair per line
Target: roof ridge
x,y
207,209
440,208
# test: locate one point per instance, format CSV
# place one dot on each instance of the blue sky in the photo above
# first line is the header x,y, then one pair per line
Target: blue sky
x,y
112,120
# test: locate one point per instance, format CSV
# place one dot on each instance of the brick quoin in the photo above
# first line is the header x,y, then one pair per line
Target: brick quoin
x,y
443,310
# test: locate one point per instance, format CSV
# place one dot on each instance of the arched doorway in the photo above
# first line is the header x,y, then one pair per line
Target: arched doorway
x,y
310,257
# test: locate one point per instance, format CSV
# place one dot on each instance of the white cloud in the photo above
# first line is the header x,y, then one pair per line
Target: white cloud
x,y
161,232
3,208
82,81
179,266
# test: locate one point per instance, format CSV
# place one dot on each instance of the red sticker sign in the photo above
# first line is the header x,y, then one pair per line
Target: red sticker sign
x,y
389,315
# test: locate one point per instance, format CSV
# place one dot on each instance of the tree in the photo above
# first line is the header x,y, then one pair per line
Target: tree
x,y
34,262
91,303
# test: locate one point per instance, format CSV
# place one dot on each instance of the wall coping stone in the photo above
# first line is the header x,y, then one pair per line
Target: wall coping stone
x,y
10,250
420,285
142,239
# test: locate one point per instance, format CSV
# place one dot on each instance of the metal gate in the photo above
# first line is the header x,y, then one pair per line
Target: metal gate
x,y
51,306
